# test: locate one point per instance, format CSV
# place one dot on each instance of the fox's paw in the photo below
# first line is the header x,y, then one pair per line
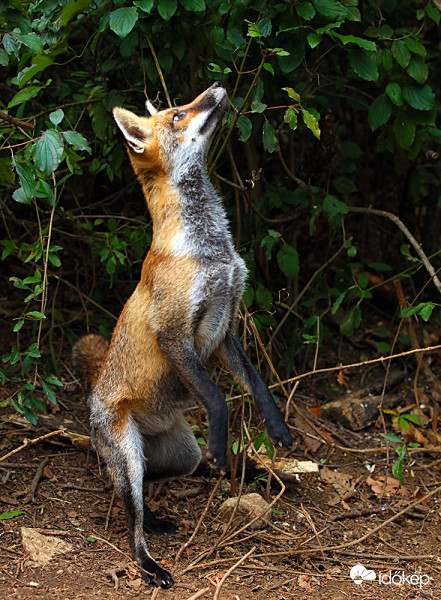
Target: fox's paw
x,y
279,433
161,578
216,455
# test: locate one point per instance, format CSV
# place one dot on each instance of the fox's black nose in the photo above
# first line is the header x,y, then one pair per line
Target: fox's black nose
x,y
217,84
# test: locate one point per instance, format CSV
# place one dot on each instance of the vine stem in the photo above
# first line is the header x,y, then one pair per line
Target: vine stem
x,y
238,114
45,269
158,68
306,287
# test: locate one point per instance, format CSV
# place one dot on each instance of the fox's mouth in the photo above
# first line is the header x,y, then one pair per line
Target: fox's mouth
x,y
218,99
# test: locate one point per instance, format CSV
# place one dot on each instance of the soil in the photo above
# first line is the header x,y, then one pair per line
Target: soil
x,y
335,506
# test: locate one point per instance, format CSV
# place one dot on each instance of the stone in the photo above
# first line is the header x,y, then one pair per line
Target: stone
x,y
42,548
250,506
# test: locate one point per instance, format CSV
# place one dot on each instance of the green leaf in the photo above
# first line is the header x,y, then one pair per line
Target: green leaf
x,y
291,117
331,8
288,260
71,9
379,112
35,314
313,39
404,129
24,95
363,64
401,53
395,94
305,10
415,46
48,151
77,140
31,40
386,59
193,5
311,122
167,8
56,117
26,177
145,5
50,394
333,206
343,185
433,12
351,39
420,98
269,138
418,69
12,514
4,58
245,127
292,93
391,437
257,106
122,20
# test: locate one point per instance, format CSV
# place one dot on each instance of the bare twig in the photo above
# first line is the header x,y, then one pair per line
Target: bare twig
x,y
381,359
15,121
199,523
110,510
230,570
402,227
199,594
38,475
29,442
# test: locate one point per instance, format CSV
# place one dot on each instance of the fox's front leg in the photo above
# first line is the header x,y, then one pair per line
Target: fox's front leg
x,y
236,360
191,372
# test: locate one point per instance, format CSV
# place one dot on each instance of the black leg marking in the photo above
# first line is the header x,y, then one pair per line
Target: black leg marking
x,y
193,375
237,361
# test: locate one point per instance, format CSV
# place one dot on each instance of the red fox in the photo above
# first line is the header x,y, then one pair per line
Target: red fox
x,y
182,312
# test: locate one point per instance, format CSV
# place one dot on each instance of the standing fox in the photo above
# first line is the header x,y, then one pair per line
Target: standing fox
x,y
182,312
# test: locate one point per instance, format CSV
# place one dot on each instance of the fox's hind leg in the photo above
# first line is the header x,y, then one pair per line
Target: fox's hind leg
x,y
121,446
173,453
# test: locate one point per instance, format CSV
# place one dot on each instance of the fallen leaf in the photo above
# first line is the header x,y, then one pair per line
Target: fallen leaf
x,y
343,483
391,488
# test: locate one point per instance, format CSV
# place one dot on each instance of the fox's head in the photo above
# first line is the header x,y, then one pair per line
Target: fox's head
x,y
173,140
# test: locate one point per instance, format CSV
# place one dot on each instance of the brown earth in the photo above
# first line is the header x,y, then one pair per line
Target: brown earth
x,y
319,510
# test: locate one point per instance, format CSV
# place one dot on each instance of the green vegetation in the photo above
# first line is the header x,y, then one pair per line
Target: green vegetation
x,y
333,106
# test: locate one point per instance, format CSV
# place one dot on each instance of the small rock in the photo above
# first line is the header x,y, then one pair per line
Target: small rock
x,y
42,548
250,506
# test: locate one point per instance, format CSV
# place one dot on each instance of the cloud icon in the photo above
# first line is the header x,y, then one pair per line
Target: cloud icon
x,y
359,574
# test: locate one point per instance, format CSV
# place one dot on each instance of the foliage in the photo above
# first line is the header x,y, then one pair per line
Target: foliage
x,y
331,106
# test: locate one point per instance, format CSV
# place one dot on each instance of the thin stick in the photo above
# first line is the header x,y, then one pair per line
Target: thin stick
x,y
402,227
199,594
365,363
110,508
29,442
230,570
38,475
199,523
372,531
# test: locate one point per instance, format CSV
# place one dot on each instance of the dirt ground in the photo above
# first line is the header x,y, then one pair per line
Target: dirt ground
x,y
318,531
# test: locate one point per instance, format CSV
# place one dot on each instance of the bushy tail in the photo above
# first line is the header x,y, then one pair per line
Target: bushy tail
x,y
87,358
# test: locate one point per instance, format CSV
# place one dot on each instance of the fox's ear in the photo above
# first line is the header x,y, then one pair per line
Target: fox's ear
x,y
133,128
149,109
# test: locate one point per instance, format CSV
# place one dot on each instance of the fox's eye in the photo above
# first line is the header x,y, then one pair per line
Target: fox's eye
x,y
178,117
